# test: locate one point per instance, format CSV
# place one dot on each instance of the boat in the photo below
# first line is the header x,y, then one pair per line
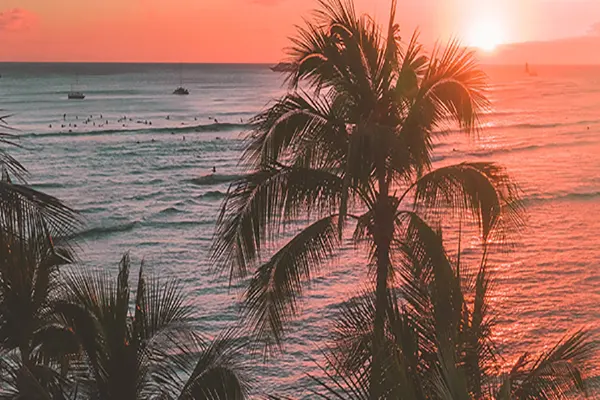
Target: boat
x,y
529,71
75,94
282,67
181,91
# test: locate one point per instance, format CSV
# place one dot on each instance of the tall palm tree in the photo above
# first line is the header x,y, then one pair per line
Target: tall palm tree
x,y
142,352
446,353
353,141
34,228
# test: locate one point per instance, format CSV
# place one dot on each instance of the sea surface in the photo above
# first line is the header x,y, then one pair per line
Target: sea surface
x,y
137,162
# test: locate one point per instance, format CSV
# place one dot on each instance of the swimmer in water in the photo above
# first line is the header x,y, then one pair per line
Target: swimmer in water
x,y
214,169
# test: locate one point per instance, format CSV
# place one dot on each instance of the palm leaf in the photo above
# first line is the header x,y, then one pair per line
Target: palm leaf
x,y
219,372
483,189
556,374
259,202
273,292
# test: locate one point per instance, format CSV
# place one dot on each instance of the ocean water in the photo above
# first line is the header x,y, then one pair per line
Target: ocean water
x,y
136,161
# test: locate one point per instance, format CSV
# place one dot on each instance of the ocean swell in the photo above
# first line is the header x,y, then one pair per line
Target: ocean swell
x,y
213,179
101,231
214,127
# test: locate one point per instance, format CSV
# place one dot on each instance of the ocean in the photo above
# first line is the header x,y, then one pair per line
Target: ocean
x,y
137,161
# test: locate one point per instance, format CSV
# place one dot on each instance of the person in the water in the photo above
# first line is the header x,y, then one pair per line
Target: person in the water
x,y
214,169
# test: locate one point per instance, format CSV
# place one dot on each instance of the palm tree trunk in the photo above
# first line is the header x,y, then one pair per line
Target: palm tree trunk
x,y
25,354
382,235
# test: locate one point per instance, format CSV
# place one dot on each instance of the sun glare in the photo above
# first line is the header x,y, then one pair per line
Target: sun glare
x,y
486,34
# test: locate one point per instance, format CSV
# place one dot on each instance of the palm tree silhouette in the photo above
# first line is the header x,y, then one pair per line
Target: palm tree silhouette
x,y
353,141
440,344
142,352
34,241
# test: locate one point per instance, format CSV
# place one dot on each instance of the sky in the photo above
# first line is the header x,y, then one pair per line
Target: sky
x,y
258,30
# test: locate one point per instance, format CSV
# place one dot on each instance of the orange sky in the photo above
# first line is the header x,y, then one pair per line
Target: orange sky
x,y
254,30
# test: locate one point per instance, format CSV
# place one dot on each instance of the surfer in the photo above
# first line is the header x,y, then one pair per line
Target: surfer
x,y
214,169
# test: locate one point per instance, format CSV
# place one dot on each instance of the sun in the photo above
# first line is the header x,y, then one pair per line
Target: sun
x,y
486,34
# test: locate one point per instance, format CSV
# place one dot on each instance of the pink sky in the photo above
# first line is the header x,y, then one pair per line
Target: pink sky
x,y
255,30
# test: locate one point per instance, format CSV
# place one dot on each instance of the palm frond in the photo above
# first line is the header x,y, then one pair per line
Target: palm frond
x,y
220,372
126,351
29,213
341,384
456,84
308,131
556,374
483,189
258,203
273,292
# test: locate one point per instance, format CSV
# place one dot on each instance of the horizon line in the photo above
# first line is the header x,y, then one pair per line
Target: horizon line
x,y
482,63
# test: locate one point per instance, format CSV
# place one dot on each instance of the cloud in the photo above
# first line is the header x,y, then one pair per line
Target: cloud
x,y
16,19
595,29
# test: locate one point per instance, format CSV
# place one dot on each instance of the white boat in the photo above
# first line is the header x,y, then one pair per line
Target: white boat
x,y
75,94
181,91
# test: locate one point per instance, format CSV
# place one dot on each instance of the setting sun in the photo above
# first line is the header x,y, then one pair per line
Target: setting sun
x,y
486,34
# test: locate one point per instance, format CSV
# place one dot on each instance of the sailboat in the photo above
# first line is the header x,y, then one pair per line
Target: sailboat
x,y
529,71
181,90
75,94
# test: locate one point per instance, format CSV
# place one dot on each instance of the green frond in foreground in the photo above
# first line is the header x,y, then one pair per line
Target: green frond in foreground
x,y
140,344
125,350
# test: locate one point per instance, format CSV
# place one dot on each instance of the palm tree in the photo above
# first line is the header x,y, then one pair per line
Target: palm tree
x,y
446,353
142,352
34,228
33,352
353,141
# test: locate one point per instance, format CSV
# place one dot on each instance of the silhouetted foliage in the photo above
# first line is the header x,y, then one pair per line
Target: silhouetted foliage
x,y
352,141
